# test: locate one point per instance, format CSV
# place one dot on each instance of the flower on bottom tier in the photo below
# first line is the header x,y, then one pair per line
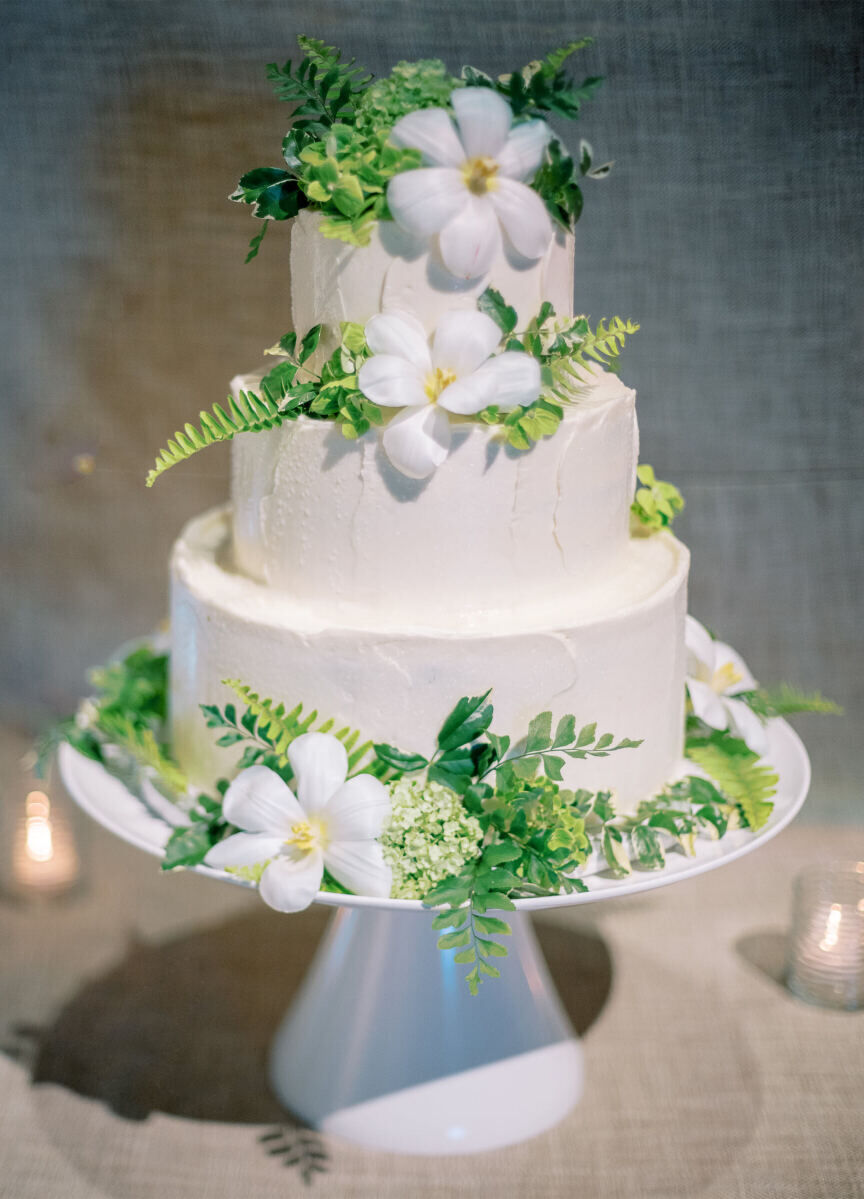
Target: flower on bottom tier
x,y
457,376
473,181
715,675
331,823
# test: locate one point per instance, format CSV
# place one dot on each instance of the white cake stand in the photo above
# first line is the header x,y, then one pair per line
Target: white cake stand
x,y
383,1045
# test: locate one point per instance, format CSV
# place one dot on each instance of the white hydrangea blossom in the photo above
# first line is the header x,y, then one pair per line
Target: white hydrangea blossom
x,y
428,836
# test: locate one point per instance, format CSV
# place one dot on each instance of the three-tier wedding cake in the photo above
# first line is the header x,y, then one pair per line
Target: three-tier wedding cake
x,y
333,575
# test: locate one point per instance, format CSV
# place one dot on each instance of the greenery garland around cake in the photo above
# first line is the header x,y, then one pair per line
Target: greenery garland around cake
x,y
484,820
479,366
352,136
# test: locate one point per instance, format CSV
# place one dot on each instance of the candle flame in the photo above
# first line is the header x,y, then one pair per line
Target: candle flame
x,y
40,834
832,928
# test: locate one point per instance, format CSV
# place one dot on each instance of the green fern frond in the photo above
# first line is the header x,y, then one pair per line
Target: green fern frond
x,y
785,700
606,342
742,775
141,743
282,727
249,413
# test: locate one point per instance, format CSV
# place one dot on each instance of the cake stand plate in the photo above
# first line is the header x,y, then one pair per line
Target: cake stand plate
x,y
383,1045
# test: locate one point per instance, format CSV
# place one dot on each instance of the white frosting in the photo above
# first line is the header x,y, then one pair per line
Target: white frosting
x,y
332,281
330,521
612,653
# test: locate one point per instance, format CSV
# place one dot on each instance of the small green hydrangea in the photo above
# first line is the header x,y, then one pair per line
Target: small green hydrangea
x,y
428,837
409,86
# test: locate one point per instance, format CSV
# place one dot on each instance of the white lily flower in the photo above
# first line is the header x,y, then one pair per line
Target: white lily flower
x,y
331,823
715,675
456,376
474,181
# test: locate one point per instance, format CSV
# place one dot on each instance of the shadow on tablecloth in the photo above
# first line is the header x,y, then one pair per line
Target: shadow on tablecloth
x,y
184,1028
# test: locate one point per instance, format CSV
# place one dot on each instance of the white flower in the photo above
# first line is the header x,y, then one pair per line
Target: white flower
x,y
715,675
474,181
332,823
456,376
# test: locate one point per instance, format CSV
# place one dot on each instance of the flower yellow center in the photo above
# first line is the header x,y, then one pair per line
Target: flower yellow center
x,y
725,677
480,175
437,381
306,835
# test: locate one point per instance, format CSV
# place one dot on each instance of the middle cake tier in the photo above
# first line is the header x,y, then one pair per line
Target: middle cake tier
x,y
330,522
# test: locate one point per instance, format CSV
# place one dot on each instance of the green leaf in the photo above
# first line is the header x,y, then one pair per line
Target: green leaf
x,y
489,949
647,848
740,774
465,956
451,940
471,717
452,918
272,192
565,733
255,243
785,700
398,760
309,344
539,733
504,851
554,61
614,851
491,924
188,846
586,735
492,303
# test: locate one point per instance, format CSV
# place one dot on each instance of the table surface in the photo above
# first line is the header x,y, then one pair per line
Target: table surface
x,y
134,1022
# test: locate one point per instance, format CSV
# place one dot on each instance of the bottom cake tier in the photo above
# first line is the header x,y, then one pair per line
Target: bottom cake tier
x,y
614,655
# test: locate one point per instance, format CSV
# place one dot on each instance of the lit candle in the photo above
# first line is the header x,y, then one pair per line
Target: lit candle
x,y
826,951
44,857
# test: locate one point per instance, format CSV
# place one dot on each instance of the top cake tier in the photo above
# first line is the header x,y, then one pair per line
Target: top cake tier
x,y
333,282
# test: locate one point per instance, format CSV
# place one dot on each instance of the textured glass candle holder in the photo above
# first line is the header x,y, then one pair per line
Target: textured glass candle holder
x,y
826,945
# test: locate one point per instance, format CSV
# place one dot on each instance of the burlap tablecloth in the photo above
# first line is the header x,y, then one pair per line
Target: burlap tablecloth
x,y
135,1021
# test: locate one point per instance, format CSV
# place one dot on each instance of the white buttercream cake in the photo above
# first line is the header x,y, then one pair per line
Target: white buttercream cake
x,y
380,599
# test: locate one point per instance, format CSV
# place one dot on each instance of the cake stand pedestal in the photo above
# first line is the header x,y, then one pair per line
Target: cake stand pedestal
x,y
384,1045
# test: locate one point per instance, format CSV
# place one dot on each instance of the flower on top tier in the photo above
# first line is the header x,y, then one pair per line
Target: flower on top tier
x,y
331,823
474,182
715,675
456,376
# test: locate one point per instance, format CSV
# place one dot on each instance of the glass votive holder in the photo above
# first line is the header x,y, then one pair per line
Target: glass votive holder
x,y
826,945
40,845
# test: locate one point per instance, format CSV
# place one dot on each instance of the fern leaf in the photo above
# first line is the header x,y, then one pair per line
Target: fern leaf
x,y
281,727
249,413
141,743
742,775
784,700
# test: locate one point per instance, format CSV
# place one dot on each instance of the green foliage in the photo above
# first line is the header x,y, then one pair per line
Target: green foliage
x,y
656,504
338,156
542,87
270,728
493,304
785,700
128,710
561,347
249,413
409,86
141,743
323,88
292,388
736,769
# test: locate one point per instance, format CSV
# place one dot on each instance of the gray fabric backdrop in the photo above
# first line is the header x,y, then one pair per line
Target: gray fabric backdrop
x,y
728,229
